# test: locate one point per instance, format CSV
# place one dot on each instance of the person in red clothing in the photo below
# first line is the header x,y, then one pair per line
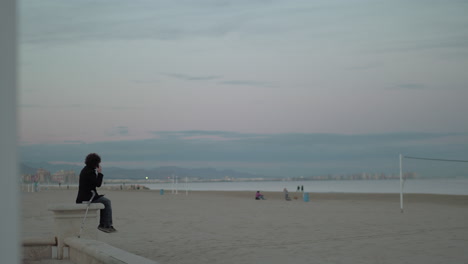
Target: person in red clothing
x,y
90,178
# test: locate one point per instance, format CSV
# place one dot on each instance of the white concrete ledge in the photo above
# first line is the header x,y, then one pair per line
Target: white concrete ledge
x,y
39,241
85,251
38,248
68,220
67,207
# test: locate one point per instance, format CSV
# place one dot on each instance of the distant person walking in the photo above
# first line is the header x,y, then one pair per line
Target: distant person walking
x,y
90,178
286,194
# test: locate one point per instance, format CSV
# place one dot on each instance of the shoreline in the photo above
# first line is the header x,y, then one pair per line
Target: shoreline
x,y
439,188
450,199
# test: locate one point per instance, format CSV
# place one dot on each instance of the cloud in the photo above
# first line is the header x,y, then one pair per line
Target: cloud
x,y
441,42
136,81
245,83
64,22
72,21
119,131
187,77
52,106
73,142
364,67
409,86
33,106
205,135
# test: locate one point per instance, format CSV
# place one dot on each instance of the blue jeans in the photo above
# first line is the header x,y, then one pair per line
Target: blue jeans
x,y
106,213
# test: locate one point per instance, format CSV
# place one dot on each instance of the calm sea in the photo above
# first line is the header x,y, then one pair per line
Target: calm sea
x,y
433,186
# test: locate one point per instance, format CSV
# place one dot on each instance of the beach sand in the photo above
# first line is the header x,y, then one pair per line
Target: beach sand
x,y
232,227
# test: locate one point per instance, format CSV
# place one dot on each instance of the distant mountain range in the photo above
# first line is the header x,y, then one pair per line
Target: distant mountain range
x,y
155,173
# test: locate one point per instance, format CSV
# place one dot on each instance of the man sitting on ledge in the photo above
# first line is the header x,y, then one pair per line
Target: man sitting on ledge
x,y
91,177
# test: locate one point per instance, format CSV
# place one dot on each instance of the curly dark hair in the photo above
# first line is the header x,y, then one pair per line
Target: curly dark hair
x,y
92,160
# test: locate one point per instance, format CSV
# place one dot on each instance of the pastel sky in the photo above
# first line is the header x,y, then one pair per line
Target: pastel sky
x,y
129,71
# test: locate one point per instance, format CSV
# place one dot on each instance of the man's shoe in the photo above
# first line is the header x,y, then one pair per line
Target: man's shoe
x,y
113,229
105,229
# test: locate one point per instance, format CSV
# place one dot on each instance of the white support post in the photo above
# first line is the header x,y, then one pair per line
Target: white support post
x,y
401,183
173,181
10,229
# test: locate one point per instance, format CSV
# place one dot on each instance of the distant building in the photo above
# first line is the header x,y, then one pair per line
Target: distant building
x,y
44,176
64,177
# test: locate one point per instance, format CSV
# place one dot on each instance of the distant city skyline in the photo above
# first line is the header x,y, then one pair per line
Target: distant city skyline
x,y
192,78
274,155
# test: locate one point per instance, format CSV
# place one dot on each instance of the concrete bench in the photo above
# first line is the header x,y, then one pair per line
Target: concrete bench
x,y
85,251
68,219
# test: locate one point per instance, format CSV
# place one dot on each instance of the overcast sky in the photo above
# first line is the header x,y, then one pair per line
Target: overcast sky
x,y
126,71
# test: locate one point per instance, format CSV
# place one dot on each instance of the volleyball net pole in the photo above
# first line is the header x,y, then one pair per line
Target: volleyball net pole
x,y
401,183
417,158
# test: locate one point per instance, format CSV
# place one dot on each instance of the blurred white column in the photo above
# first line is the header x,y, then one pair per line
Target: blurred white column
x,y
9,184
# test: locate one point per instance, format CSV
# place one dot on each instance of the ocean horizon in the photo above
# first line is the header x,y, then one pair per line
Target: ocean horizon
x,y
450,186
430,186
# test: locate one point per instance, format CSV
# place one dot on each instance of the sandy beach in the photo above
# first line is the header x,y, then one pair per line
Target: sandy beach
x,y
232,227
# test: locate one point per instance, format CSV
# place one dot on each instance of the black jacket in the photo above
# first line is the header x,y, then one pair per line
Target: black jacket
x,y
88,182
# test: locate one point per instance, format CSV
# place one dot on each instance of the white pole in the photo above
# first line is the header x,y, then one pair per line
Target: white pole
x,y
10,229
172,183
401,184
